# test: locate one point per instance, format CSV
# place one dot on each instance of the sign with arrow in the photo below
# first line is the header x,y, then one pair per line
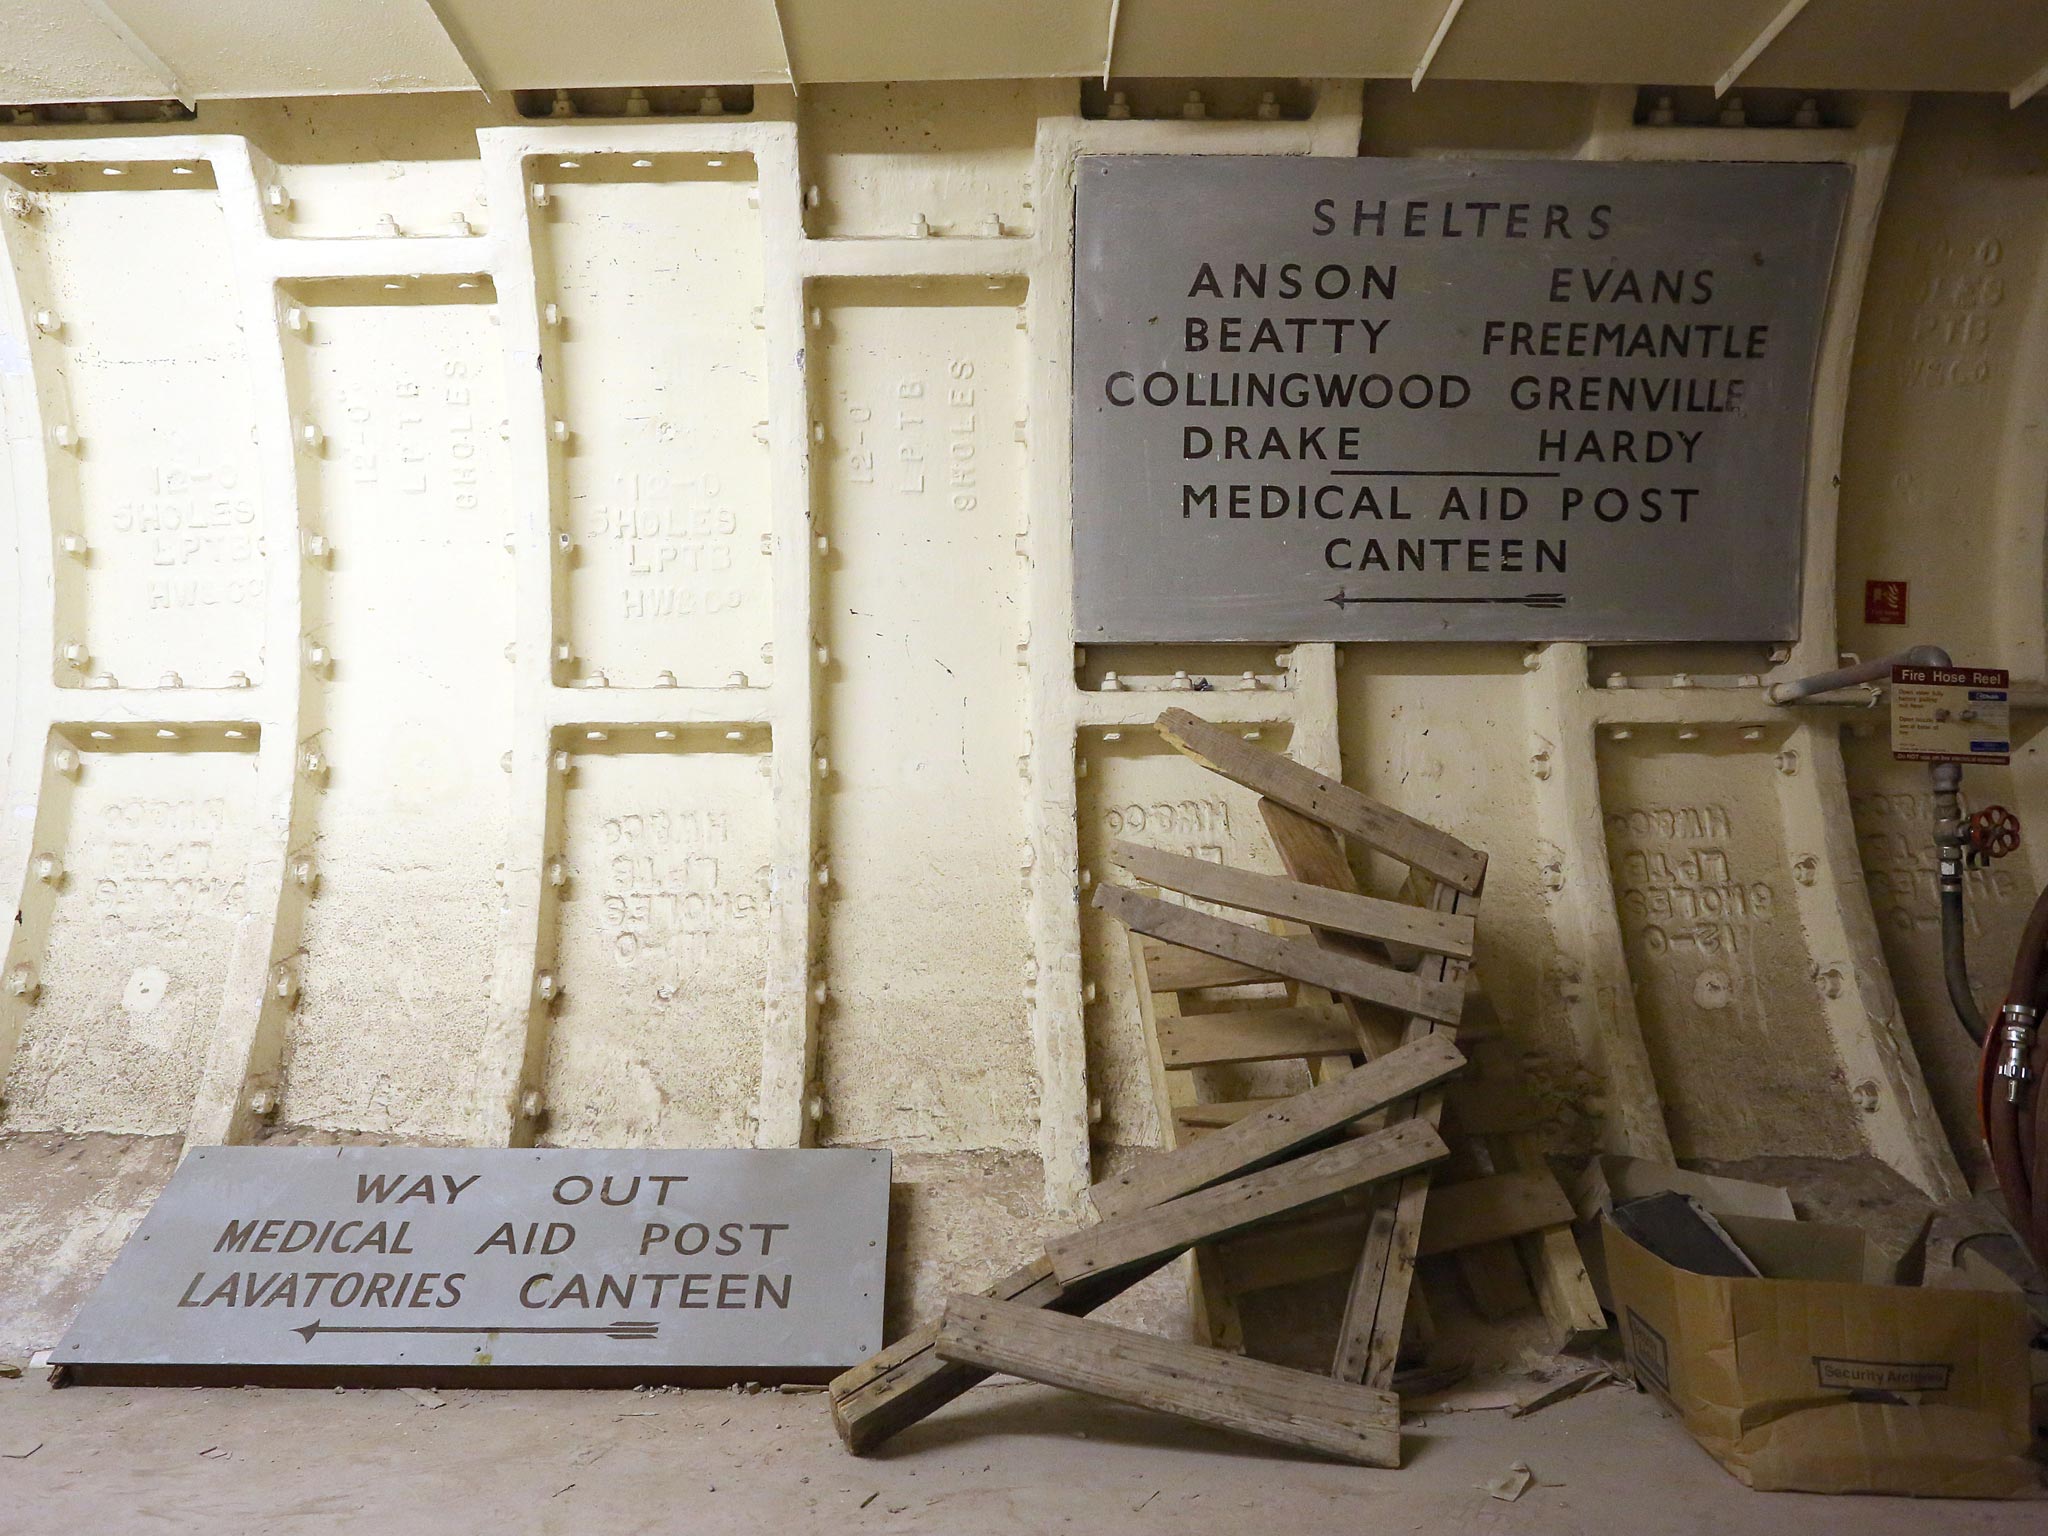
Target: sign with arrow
x,y
471,1266
1480,400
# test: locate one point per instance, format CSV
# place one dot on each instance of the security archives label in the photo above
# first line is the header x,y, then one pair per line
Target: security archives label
x,y
1951,714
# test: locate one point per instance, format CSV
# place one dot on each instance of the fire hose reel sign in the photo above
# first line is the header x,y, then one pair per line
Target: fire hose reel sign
x,y
1951,714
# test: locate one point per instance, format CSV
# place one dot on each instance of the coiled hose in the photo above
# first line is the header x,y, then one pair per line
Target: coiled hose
x,y
2013,1110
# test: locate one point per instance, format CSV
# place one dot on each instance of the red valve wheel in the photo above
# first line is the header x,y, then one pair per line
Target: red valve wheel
x,y
1994,831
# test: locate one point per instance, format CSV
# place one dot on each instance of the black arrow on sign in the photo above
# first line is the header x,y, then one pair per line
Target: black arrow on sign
x,y
609,1330
1526,600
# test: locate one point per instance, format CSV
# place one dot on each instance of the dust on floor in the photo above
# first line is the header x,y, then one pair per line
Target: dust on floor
x,y
1007,1458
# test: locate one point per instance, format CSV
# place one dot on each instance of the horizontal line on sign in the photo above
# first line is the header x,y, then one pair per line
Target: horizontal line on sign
x,y
1456,474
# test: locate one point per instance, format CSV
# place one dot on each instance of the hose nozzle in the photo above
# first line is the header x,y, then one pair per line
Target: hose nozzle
x,y
2016,1024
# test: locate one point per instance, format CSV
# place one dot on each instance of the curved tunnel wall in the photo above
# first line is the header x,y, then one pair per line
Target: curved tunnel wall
x,y
449,705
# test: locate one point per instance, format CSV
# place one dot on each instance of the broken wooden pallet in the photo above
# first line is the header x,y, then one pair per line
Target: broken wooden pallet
x,y
1305,814
1233,1031
908,1380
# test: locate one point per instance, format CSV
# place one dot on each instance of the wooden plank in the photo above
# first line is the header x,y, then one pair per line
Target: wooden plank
x,y
1562,1286
1174,969
1487,1210
1294,1408
1458,1216
1222,1112
1268,1034
1492,1209
1158,1233
1317,906
1214,1317
1169,1092
1369,1340
909,1379
1494,1277
1543,1394
1381,1311
1195,1120
1556,1266
1551,1257
1296,959
1279,1129
1491,1271
1416,843
1313,854
1285,1253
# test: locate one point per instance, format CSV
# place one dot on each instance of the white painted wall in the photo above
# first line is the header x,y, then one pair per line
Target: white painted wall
x,y
558,632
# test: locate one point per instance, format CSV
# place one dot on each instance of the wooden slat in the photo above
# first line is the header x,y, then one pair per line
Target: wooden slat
x,y
1336,805
1174,969
1158,1233
1214,1316
909,1380
1221,1112
1279,1129
1194,1120
1273,1034
1558,1269
1293,1408
1551,1256
1494,1276
1286,1253
1365,917
1562,1286
1296,959
1492,1209
1369,1339
1458,1216
1311,853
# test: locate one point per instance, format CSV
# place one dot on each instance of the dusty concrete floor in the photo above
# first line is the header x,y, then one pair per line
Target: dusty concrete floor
x,y
1007,1458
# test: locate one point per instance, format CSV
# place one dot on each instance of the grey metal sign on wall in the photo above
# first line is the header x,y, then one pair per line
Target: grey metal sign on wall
x,y
1467,400
311,1262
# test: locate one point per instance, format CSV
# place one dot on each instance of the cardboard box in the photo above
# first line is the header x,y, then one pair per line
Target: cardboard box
x,y
1612,1177
1812,1379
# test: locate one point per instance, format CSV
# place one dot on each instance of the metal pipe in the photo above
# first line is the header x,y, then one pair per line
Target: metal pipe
x,y
1862,672
1946,780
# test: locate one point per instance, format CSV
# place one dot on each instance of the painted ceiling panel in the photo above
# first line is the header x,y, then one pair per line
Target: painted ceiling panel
x,y
1650,42
65,50
58,50
832,40
1882,45
227,48
1336,38
530,43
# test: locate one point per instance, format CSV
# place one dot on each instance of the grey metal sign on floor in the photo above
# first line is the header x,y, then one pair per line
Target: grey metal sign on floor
x,y
303,1262
1321,399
